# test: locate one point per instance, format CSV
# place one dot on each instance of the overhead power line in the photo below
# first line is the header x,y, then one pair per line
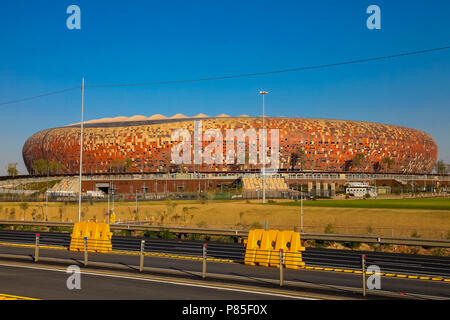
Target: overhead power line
x,y
322,66
40,96
273,72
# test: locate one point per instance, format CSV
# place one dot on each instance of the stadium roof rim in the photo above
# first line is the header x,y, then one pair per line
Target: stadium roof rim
x,y
129,121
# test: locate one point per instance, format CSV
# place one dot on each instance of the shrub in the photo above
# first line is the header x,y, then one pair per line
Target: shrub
x,y
150,234
194,237
414,250
352,244
166,234
438,252
202,224
329,228
415,234
256,225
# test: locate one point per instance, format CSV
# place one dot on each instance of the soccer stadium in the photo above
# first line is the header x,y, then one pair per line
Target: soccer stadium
x,y
135,155
144,145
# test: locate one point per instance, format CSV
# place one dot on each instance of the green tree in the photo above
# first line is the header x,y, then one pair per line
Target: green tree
x,y
44,167
55,167
441,167
24,206
388,162
300,158
128,163
12,213
61,211
329,228
185,212
117,166
358,160
40,167
12,169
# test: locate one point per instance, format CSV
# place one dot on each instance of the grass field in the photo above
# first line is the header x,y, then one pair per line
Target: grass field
x,y
426,218
417,203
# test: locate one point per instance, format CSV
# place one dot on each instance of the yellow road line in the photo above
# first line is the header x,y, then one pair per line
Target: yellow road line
x,y
167,255
30,246
255,290
12,297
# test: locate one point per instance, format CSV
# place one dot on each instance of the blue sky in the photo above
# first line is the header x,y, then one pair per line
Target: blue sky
x,y
146,41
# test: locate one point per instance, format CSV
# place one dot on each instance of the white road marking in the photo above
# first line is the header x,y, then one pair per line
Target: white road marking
x,y
164,281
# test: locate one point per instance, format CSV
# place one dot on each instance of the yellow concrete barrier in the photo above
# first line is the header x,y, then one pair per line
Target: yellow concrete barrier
x,y
98,237
263,248
92,236
104,237
77,236
253,242
293,258
282,240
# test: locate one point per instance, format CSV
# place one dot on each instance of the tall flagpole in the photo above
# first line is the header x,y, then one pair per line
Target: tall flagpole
x,y
81,151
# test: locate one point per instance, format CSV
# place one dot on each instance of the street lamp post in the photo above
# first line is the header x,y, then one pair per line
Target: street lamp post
x,y
109,212
81,150
264,152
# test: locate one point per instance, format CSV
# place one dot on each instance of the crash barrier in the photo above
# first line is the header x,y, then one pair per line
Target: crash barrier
x,y
96,236
263,248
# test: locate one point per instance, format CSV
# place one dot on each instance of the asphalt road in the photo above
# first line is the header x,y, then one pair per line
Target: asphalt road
x,y
388,262
307,281
51,285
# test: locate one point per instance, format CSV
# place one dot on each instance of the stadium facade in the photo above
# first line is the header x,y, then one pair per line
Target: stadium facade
x,y
146,145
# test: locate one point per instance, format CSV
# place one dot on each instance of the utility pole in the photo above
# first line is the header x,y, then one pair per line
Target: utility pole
x,y
112,193
109,213
46,204
81,150
264,153
137,205
301,209
363,263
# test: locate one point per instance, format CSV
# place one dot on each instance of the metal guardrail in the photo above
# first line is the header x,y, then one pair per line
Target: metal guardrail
x,y
244,233
377,239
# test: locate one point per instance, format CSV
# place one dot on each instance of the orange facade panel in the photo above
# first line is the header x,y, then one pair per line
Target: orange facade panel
x,y
328,145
